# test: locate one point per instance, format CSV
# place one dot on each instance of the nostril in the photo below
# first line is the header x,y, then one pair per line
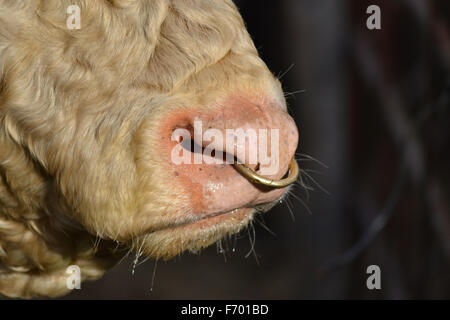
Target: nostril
x,y
183,133
286,174
183,127
190,145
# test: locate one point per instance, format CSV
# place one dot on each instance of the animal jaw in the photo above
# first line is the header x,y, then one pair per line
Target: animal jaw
x,y
86,118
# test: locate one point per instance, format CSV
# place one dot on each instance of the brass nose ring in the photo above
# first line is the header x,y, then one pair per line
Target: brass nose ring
x,y
257,179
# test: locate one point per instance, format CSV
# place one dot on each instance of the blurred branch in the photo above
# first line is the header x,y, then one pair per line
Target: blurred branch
x,y
404,130
392,105
440,213
428,19
375,227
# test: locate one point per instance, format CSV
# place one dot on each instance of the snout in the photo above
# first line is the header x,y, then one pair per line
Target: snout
x,y
205,143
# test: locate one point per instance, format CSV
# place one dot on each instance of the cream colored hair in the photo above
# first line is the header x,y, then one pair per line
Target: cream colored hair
x,y
74,163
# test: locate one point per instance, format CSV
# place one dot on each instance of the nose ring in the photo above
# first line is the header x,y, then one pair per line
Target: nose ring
x,y
251,175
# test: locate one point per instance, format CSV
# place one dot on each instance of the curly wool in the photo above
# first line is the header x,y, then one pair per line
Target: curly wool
x,y
71,105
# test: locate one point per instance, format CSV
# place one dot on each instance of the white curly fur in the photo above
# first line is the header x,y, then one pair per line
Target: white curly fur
x,y
78,110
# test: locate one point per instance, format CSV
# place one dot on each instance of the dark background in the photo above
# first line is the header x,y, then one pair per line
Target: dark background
x,y
373,105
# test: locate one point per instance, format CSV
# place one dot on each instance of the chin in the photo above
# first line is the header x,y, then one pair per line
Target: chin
x,y
193,236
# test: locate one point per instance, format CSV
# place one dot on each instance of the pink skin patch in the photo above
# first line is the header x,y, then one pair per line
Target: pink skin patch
x,y
218,188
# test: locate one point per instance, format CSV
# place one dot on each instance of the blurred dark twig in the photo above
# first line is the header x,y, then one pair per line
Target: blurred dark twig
x,y
374,229
406,132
